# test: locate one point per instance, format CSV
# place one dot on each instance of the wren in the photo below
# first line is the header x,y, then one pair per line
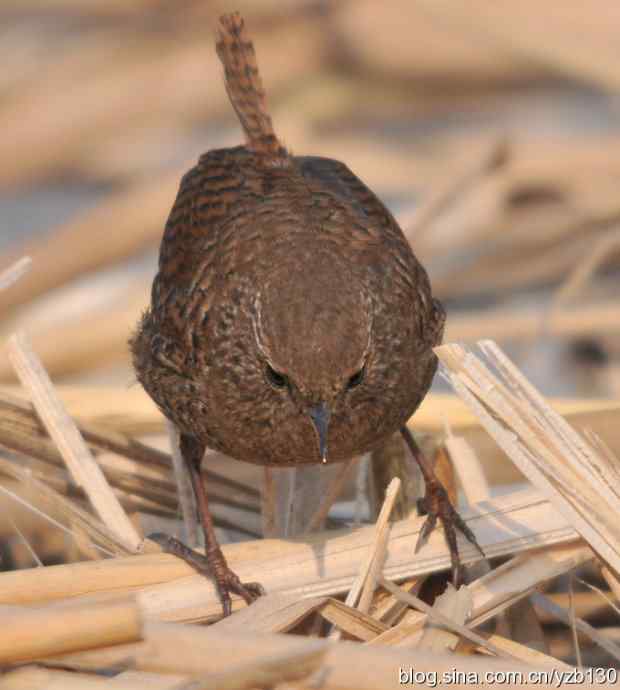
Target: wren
x,y
290,322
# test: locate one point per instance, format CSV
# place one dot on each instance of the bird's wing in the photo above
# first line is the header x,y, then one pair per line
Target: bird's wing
x,y
336,178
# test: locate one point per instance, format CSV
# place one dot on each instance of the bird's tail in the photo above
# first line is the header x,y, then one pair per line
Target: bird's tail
x,y
245,88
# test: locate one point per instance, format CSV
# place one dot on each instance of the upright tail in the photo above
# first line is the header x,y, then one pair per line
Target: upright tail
x,y
245,88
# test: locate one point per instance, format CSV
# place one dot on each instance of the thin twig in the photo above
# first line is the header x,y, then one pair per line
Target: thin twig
x,y
600,592
562,614
26,543
611,579
578,279
14,272
437,617
572,618
43,515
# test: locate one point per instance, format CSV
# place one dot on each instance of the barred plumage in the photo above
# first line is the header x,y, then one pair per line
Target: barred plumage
x,y
290,322
245,88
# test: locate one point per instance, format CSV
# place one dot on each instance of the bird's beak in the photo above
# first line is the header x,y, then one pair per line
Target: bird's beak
x,y
320,415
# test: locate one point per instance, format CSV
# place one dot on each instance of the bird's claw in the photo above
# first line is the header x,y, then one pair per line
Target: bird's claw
x,y
214,566
228,582
438,506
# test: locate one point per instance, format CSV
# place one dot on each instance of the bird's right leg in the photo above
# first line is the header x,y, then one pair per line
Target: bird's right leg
x,y
213,563
438,506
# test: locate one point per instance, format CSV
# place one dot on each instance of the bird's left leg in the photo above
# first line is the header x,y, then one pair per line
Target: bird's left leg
x,y
213,563
438,505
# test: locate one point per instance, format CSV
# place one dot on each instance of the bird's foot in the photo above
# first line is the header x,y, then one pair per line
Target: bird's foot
x,y
214,566
438,505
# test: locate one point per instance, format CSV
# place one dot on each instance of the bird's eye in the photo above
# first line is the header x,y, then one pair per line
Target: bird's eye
x,y
356,379
275,378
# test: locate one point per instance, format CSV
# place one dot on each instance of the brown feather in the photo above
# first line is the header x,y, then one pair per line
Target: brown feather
x,y
245,89
297,267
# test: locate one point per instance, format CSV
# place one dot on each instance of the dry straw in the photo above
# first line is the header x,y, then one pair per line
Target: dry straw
x,y
85,471
581,482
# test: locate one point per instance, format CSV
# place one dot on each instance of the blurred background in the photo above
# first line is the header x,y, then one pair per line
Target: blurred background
x,y
491,130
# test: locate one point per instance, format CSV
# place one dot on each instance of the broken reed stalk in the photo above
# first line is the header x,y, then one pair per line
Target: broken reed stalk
x,y
350,620
379,548
364,585
374,574
525,654
381,526
27,634
278,612
193,650
453,604
265,672
273,612
387,608
499,589
438,617
325,563
579,481
85,471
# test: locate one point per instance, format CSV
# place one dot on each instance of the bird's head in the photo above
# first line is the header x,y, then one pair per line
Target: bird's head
x,y
313,338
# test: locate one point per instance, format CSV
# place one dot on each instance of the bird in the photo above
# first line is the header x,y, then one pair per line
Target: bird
x,y
290,322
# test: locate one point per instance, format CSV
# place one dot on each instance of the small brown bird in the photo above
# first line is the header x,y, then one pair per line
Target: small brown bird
x,y
290,322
